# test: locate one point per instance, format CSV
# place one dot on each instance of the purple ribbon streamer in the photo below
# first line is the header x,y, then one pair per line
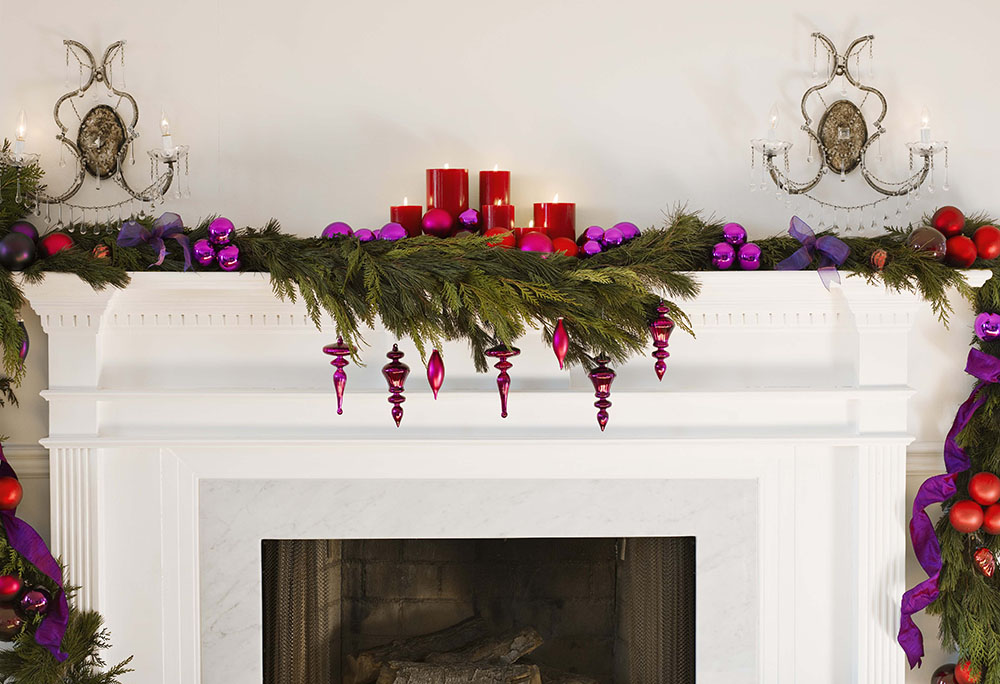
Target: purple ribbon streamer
x,y
938,489
23,539
168,226
832,252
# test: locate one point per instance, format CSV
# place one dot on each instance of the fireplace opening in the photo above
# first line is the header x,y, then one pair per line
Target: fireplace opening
x,y
478,611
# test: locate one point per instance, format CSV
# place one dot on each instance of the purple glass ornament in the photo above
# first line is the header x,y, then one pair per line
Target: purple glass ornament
x,y
590,248
435,372
204,252
723,255
229,258
749,257
592,233
364,235
337,229
391,232
338,351
660,329
469,220
395,373
503,352
560,342
221,231
628,229
602,377
612,237
10,623
535,242
23,351
25,228
17,251
34,602
734,234
988,326
437,222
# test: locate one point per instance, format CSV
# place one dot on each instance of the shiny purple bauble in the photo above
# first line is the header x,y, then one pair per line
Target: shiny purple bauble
x,y
612,237
723,255
734,234
535,242
392,232
749,257
987,326
364,235
17,251
592,233
25,228
34,602
629,230
469,220
229,258
221,231
590,248
437,222
337,229
204,252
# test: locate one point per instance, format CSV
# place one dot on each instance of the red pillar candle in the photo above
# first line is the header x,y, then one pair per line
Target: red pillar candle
x,y
494,187
498,215
556,219
521,232
408,216
448,189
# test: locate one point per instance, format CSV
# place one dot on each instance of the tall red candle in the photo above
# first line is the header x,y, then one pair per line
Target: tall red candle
x,y
408,216
498,216
494,187
556,219
448,189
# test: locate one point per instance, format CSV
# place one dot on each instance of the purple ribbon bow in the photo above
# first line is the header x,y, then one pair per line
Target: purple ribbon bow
x,y
23,539
168,226
832,252
938,489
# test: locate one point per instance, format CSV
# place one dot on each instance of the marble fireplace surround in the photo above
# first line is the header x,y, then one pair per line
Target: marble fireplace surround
x,y
191,416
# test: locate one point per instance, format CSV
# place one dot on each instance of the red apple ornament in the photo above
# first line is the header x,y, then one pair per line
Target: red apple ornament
x,y
565,246
53,243
508,241
984,488
960,251
987,239
10,493
991,519
10,588
949,220
966,516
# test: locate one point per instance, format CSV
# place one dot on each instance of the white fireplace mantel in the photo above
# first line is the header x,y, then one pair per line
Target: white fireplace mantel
x,y
185,405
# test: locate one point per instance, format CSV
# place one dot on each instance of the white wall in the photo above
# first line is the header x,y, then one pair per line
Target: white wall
x,y
315,111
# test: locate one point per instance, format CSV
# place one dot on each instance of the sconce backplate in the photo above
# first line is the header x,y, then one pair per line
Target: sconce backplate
x,y
843,131
100,140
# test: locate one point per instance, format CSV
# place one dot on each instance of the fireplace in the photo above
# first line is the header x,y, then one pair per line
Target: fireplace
x,y
581,610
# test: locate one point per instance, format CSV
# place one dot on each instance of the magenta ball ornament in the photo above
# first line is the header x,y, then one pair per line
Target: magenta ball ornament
x,y
749,257
628,229
364,235
337,229
469,220
987,326
612,238
10,588
437,222
221,231
229,258
17,251
734,234
204,252
34,602
723,255
592,233
25,228
590,247
392,232
536,242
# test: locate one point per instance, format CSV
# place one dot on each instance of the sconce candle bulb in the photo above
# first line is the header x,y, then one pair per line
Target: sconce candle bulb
x,y
166,138
20,132
772,120
925,126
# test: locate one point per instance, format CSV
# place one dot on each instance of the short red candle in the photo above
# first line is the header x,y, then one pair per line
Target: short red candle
x,y
494,187
448,189
521,232
408,216
556,219
498,216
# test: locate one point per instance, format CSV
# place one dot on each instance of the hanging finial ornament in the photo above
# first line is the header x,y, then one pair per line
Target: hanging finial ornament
x,y
338,350
395,373
435,372
661,329
503,352
560,342
602,377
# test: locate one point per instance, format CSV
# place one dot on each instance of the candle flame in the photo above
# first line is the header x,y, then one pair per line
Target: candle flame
x,y
496,167
405,201
531,223
556,198
22,125
164,124
925,118
773,116
446,165
497,202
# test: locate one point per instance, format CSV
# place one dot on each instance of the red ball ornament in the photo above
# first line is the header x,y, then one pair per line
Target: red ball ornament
x,y
53,243
10,623
10,493
966,516
991,519
10,587
437,222
964,673
987,239
949,220
960,251
565,246
984,488
508,241
536,242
